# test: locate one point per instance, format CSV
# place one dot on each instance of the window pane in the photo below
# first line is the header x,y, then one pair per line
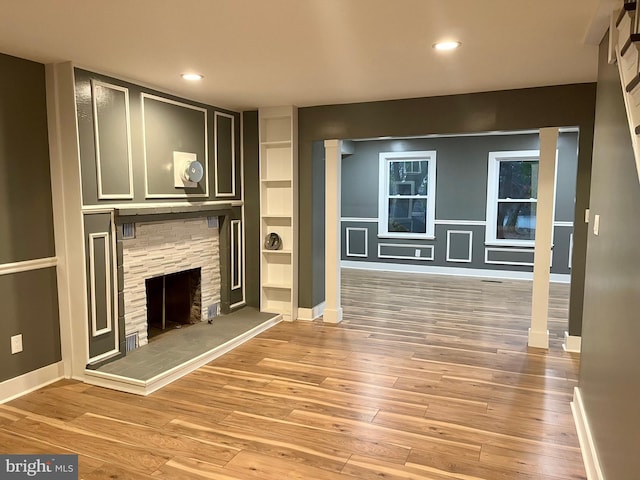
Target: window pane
x,y
518,179
516,221
407,215
408,178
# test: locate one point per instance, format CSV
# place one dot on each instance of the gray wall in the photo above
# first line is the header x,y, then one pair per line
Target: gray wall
x,y
566,105
167,127
28,299
610,359
251,154
461,192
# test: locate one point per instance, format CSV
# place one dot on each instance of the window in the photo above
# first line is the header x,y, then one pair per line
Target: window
x,y
407,194
512,197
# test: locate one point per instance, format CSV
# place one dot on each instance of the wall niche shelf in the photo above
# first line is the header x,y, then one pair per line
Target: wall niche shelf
x,y
279,209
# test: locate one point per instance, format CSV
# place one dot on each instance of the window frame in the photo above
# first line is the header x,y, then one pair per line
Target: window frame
x,y
493,188
385,159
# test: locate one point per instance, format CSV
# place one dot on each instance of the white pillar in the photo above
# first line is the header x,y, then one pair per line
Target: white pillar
x,y
333,161
538,333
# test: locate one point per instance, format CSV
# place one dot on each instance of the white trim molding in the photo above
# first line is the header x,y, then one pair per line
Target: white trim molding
x,y
469,258
587,445
151,205
430,258
310,314
359,219
28,265
236,245
428,196
96,128
456,271
205,163
366,242
218,193
480,223
516,250
95,332
18,386
572,343
570,249
493,186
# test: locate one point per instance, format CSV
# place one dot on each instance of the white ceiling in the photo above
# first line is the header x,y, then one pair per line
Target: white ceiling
x,y
310,52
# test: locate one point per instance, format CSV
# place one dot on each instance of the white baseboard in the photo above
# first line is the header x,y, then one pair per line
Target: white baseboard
x,y
572,343
145,387
538,339
16,387
310,314
332,315
588,448
463,272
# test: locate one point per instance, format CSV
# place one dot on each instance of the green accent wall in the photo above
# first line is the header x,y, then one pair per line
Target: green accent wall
x,y
610,358
251,156
532,108
29,300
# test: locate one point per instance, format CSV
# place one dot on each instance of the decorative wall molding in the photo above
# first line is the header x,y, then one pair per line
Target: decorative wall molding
x,y
366,242
359,219
570,249
104,236
151,205
218,193
28,265
487,250
236,252
587,446
563,224
407,257
459,271
481,223
469,258
18,386
96,128
143,97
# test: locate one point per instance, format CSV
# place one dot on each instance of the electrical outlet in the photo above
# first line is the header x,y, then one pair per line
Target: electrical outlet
x,y
16,344
418,252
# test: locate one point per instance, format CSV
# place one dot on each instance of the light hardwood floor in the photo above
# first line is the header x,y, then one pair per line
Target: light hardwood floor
x,y
428,377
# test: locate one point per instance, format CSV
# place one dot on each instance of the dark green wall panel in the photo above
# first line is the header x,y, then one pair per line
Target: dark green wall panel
x,y
252,206
98,237
29,307
610,358
168,128
224,149
111,127
170,125
26,215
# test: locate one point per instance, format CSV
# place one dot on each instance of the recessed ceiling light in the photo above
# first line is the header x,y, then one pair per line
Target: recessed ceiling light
x,y
191,76
449,45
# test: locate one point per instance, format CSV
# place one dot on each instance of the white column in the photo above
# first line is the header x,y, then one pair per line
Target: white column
x,y
538,333
333,161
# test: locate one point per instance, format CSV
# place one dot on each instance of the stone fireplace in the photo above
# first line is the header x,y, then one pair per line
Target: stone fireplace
x,y
163,249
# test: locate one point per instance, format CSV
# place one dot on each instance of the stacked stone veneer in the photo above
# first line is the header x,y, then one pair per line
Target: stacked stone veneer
x,y
161,248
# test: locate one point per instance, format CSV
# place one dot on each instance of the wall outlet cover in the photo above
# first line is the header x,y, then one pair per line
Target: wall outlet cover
x,y
16,344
